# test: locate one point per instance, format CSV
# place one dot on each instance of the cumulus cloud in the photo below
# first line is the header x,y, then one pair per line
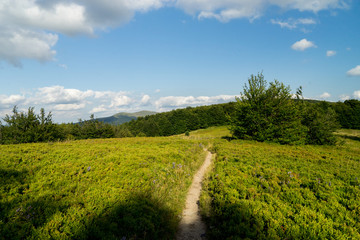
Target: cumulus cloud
x,y
30,28
67,107
293,23
302,45
344,97
325,95
355,72
171,102
330,53
227,10
145,99
99,109
61,95
120,100
357,94
10,101
17,44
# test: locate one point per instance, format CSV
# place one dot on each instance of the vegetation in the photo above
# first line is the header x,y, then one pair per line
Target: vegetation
x,y
263,190
96,189
268,113
28,127
179,121
348,113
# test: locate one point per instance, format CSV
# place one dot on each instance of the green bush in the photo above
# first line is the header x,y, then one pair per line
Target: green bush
x,y
269,113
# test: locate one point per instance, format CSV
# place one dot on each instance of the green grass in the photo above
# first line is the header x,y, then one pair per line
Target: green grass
x,y
271,191
135,188
96,189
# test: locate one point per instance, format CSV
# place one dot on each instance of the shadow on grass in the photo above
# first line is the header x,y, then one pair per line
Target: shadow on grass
x,y
19,213
355,138
139,217
228,138
235,221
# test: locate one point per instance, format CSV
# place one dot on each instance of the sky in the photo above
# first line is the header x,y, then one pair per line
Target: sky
x,y
81,57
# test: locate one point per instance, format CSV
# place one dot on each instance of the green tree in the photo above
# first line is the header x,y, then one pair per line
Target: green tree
x,y
267,113
320,120
27,127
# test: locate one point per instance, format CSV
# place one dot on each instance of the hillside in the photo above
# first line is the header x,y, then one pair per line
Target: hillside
x,y
124,117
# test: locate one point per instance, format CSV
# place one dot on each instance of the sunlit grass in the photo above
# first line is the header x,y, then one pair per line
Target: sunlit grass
x,y
112,188
271,191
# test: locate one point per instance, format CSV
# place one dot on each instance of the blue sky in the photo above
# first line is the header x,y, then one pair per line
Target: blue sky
x,y
77,57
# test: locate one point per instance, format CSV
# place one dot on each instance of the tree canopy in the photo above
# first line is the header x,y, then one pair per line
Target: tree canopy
x,y
269,112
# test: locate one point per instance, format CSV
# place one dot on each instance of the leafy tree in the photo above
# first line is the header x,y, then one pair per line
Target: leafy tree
x,y
27,127
348,113
267,113
320,120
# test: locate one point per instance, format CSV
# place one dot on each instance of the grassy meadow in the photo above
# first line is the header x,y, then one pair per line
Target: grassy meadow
x,y
131,188
271,191
135,188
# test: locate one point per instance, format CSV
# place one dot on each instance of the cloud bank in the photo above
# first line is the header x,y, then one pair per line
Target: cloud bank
x,y
30,29
68,105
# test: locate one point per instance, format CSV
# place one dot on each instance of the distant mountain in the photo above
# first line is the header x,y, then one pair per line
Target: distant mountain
x,y
124,117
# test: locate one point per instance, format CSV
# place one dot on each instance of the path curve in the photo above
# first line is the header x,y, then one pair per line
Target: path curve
x,y
191,225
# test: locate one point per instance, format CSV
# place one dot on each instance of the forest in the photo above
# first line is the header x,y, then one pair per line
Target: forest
x,y
28,127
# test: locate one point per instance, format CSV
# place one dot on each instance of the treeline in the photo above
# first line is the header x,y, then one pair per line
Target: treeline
x,y
348,113
28,127
179,121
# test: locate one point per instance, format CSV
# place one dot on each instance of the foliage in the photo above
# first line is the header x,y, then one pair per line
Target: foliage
x,y
178,121
131,188
270,191
321,123
269,113
348,113
22,127
89,129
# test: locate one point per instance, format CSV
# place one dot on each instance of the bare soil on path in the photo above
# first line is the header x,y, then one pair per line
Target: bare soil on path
x,y
191,225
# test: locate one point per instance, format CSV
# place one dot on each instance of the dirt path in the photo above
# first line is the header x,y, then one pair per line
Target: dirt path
x,y
191,226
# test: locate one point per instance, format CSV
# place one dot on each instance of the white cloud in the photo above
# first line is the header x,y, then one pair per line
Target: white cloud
x,y
354,71
61,95
357,94
30,28
120,100
10,101
227,10
171,102
302,45
344,97
325,95
17,44
330,53
99,109
67,107
145,99
310,5
293,23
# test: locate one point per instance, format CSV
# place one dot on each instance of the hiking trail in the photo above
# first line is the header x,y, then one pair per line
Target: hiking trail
x,y
191,225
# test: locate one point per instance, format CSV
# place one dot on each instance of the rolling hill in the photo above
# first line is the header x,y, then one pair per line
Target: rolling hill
x,y
124,117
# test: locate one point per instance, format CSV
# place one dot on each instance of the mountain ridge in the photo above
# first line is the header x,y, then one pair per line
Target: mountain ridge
x,y
123,117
